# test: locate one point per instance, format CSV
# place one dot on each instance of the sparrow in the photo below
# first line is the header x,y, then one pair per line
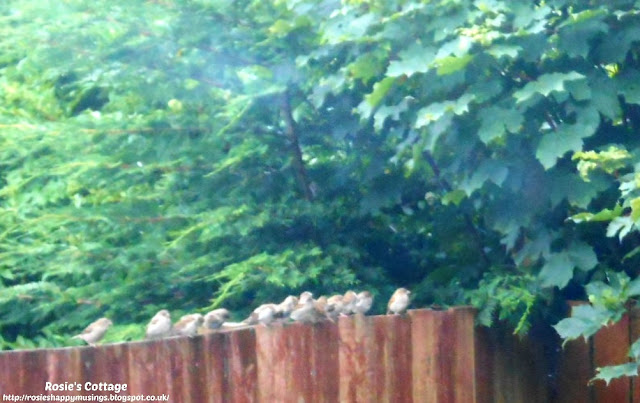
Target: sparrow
x,y
264,315
307,311
95,331
399,301
349,301
304,297
334,307
188,325
159,326
364,301
286,306
215,318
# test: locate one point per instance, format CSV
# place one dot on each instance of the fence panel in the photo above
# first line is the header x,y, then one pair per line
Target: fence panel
x,y
424,356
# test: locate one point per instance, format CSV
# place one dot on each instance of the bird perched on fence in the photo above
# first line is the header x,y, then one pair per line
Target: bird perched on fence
x,y
95,331
399,301
215,318
364,300
286,306
349,301
264,315
159,326
304,297
188,325
307,311
334,308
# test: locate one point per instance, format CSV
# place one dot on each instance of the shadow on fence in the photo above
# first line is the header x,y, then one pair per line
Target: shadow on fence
x,y
425,356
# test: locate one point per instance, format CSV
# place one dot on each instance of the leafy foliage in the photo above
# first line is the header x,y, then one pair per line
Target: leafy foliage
x,y
191,154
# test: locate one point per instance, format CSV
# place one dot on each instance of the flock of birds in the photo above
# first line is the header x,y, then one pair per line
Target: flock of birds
x,y
304,309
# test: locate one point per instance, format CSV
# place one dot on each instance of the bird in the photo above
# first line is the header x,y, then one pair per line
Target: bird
x,y
286,306
304,297
364,301
349,301
188,325
264,315
160,325
334,308
215,318
95,331
306,311
399,301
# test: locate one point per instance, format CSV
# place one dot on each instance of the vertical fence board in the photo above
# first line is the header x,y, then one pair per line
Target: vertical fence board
x,y
423,346
145,376
634,333
464,369
610,347
242,366
9,366
355,386
298,368
116,359
182,366
326,368
94,368
575,369
271,356
63,366
484,365
393,340
34,372
213,351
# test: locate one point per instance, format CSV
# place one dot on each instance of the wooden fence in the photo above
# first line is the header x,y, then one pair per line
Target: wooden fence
x,y
425,356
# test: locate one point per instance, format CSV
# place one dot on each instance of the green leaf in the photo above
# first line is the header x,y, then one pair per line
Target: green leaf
x,y
414,59
634,351
491,170
368,66
629,86
620,226
451,64
604,215
557,270
635,209
585,321
616,371
373,99
568,137
582,256
546,84
604,96
455,197
633,288
496,121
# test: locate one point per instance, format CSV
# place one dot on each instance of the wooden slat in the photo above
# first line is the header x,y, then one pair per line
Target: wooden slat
x,y
634,333
484,365
426,328
33,372
354,355
464,370
575,369
64,366
213,355
325,363
393,340
610,347
241,366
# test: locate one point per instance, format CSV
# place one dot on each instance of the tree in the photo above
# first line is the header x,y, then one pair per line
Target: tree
x,y
188,154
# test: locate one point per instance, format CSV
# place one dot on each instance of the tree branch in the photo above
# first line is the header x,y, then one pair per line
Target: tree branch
x,y
292,135
471,227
